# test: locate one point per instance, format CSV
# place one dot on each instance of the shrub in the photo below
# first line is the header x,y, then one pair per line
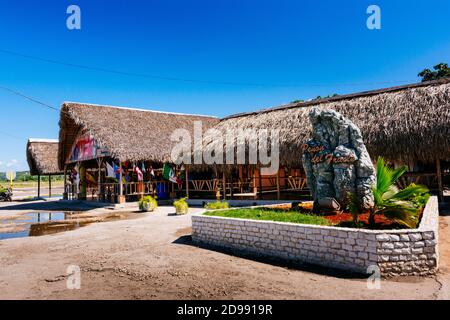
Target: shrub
x,y
353,207
402,206
148,203
217,205
181,206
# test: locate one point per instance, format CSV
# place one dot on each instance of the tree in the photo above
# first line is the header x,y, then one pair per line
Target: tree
x,y
317,98
441,71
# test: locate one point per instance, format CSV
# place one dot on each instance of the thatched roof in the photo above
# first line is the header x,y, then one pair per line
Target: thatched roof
x,y
401,123
128,134
42,156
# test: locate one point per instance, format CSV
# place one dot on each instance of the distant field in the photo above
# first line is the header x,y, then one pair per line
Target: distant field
x,y
31,184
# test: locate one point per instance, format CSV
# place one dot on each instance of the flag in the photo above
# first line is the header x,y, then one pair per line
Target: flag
x,y
110,171
91,180
117,171
169,174
139,173
143,167
151,171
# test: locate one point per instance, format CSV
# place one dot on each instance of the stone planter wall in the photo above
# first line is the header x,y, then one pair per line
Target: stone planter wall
x,y
395,252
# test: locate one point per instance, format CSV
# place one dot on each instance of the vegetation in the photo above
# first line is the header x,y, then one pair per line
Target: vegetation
x,y
441,70
401,206
326,97
353,207
148,203
317,98
181,206
217,205
271,214
24,176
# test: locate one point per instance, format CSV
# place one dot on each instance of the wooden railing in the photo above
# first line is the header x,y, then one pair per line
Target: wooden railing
x,y
204,185
241,187
72,191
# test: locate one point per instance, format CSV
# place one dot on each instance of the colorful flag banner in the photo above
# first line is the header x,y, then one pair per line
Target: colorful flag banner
x,y
169,174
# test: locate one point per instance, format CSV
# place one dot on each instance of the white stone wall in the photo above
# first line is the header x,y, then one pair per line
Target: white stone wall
x,y
396,252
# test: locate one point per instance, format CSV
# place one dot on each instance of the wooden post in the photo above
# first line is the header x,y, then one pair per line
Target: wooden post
x,y
121,197
82,192
39,185
65,197
439,179
99,178
255,188
186,174
49,186
224,183
260,183
231,185
216,176
278,185
142,183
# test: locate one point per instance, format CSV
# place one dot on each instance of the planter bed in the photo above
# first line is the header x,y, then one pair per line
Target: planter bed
x,y
395,252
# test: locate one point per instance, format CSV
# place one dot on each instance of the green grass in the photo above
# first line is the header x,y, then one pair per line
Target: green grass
x,y
270,214
31,184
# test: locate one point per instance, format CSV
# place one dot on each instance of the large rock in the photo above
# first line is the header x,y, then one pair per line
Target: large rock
x,y
336,161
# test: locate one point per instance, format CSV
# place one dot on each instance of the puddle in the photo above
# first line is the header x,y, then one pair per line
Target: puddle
x,y
43,223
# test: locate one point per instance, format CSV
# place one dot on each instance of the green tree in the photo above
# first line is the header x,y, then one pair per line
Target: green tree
x,y
317,98
441,70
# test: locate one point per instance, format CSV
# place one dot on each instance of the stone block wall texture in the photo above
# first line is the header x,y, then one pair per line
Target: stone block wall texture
x,y
395,252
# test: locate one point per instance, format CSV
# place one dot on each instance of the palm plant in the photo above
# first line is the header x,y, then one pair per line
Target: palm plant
x,y
400,206
353,206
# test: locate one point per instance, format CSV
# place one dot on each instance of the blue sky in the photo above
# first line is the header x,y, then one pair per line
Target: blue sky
x,y
291,49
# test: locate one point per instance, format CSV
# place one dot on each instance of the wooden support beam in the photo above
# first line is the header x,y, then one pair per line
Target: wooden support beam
x,y
260,191
439,179
39,185
278,185
255,187
49,186
65,195
216,175
99,178
224,183
120,179
186,174
121,197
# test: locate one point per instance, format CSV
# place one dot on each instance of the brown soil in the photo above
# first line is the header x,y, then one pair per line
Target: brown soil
x,y
153,258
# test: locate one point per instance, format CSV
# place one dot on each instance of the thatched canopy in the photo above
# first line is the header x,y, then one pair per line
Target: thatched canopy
x,y
401,123
42,156
128,134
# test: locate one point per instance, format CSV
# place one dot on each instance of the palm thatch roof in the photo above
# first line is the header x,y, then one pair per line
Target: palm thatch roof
x,y
128,134
42,156
403,123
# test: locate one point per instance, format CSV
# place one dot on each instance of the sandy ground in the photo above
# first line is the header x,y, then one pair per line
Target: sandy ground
x,y
31,192
153,258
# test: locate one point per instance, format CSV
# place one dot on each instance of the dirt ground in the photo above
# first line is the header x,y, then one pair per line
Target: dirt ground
x,y
153,258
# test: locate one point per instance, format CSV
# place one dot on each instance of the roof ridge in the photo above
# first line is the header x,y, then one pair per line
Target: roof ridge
x,y
43,140
138,109
341,97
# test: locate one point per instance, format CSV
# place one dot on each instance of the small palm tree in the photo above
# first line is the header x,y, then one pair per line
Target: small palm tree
x,y
398,205
354,207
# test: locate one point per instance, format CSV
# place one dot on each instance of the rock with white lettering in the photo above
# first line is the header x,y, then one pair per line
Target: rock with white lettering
x,y
336,161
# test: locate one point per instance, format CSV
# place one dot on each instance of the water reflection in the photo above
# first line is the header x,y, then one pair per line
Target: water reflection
x,y
44,223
